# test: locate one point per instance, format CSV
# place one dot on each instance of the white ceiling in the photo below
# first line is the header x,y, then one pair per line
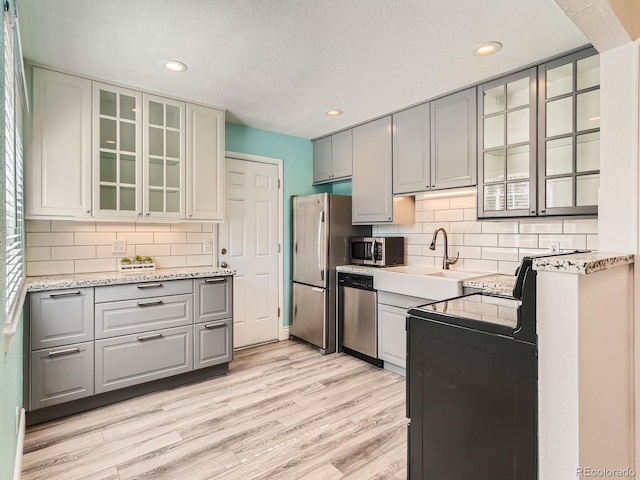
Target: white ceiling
x,y
280,64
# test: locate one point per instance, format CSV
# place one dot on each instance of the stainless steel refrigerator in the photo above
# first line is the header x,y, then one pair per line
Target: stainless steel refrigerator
x,y
321,231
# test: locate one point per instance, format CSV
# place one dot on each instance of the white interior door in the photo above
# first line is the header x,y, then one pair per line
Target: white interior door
x,y
248,243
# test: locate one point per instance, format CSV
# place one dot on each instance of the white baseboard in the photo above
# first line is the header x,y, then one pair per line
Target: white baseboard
x,y
284,333
17,469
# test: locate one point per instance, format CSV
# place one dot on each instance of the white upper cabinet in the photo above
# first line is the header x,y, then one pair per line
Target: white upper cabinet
x,y
58,147
164,158
205,168
117,151
411,150
333,157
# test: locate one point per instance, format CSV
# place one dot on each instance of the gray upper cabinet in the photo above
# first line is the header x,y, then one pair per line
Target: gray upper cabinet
x,y
372,193
453,140
411,150
507,146
569,134
332,157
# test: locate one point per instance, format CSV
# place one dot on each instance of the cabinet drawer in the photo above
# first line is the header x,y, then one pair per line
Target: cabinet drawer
x,y
392,335
114,319
61,374
214,299
213,343
136,291
61,317
133,359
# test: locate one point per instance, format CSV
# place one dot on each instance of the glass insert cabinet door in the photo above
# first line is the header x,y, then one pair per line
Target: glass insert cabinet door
x,y
569,134
117,151
507,146
164,157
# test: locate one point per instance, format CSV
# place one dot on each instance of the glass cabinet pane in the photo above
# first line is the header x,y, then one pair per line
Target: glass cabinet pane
x,y
108,167
127,107
560,156
128,169
127,137
588,152
156,200
127,198
588,110
173,174
173,201
156,172
518,93
156,113
518,162
518,126
559,192
108,104
494,131
173,144
494,197
494,100
518,196
173,117
108,199
588,72
587,189
156,141
494,166
560,80
559,117
108,136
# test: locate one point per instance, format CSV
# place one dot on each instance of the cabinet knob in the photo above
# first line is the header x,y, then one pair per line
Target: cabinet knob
x,y
139,214
223,265
88,212
146,214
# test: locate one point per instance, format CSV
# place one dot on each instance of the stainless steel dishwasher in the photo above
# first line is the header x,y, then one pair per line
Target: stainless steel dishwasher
x,y
357,317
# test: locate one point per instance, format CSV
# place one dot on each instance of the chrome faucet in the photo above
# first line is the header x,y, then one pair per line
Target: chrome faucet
x,y
446,261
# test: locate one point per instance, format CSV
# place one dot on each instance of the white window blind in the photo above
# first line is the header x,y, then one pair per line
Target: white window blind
x,y
13,154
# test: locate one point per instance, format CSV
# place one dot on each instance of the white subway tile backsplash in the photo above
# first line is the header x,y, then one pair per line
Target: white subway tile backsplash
x,y
507,268
385,229
541,226
454,238
481,239
50,268
470,214
425,216
592,242
528,252
468,201
119,227
499,227
103,251
34,226
188,227
436,204
522,240
198,237
467,252
174,261
49,239
170,237
409,228
37,254
413,249
95,265
136,237
419,239
498,253
199,260
456,215
431,227
465,227
186,249
207,227
567,242
480,265
153,250
589,226
153,227
93,238
73,253
71,226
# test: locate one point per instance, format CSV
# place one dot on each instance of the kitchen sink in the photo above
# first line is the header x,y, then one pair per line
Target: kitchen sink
x,y
456,274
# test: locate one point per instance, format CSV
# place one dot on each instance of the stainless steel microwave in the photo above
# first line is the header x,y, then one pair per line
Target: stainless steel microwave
x,y
377,251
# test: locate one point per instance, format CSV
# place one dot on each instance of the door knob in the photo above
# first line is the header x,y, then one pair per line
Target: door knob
x,y
223,265
223,251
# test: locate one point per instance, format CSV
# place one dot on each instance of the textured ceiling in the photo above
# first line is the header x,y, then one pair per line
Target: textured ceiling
x,y
280,64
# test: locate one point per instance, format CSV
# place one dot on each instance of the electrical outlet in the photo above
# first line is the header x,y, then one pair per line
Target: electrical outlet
x,y
208,246
554,247
119,245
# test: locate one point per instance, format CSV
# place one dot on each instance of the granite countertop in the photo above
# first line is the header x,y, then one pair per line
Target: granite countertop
x,y
496,283
80,280
582,263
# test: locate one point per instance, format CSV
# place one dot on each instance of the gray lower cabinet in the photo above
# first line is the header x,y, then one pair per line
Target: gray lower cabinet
x,y
133,359
213,299
212,343
392,337
453,140
61,374
61,317
141,290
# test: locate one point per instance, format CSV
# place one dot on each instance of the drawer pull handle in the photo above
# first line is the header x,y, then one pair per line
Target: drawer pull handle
x,y
66,351
148,304
149,285
215,280
150,337
65,294
214,326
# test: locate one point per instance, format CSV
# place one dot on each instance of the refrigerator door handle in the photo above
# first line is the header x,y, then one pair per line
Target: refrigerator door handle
x,y
320,245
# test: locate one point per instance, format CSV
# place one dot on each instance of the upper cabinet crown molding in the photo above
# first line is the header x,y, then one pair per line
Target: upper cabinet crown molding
x,y
112,153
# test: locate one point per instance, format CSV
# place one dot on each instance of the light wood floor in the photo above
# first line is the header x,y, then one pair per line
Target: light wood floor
x,y
282,412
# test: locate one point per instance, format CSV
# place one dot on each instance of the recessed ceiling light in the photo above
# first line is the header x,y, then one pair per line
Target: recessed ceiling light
x,y
174,65
333,113
487,48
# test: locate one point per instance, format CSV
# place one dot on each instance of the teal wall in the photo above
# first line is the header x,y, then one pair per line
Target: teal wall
x,y
297,156
342,188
